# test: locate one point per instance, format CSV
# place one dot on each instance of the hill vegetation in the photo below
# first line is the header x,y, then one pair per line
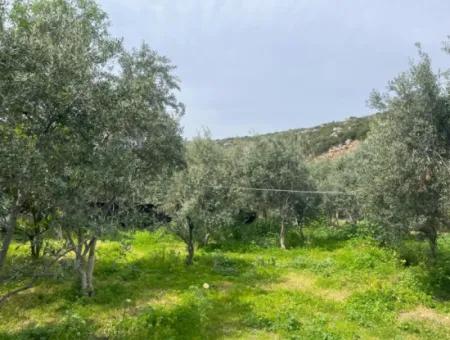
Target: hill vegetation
x,y
319,139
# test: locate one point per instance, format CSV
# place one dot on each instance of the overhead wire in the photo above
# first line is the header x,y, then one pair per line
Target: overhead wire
x,y
309,192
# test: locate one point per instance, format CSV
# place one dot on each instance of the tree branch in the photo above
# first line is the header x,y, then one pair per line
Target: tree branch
x,y
36,276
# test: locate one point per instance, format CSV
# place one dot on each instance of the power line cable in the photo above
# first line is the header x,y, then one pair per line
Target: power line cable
x,y
308,192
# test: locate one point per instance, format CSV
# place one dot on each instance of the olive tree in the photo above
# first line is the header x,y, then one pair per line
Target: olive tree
x,y
38,82
337,178
200,196
404,176
272,164
134,140
84,122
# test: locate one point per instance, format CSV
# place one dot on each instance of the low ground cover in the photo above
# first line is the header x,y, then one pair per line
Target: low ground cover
x,y
330,287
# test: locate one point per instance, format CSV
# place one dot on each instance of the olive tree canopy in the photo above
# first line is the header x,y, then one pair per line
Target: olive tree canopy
x,y
404,173
83,122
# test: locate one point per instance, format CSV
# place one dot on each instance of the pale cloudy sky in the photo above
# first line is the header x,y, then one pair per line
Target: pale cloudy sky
x,y
265,65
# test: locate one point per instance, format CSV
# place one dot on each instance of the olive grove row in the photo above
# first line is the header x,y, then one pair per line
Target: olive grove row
x,y
91,143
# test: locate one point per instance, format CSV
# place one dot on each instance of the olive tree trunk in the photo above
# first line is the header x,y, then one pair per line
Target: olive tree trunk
x,y
283,215
283,235
300,227
84,261
36,235
205,240
11,227
190,243
84,264
36,243
432,236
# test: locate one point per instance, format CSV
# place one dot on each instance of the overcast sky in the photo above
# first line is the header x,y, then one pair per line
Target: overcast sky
x,y
255,66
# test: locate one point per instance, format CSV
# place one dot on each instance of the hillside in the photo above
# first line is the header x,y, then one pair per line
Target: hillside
x,y
320,139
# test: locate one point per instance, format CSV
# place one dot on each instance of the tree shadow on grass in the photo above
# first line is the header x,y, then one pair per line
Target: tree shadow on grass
x,y
435,276
327,242
140,278
71,327
198,312
329,238
202,314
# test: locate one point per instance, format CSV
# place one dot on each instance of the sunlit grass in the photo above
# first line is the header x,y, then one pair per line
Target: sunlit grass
x,y
330,288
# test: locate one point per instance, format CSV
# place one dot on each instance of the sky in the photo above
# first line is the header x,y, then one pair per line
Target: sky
x,y
257,66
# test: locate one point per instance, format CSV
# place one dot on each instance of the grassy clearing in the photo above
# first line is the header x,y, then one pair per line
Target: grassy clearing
x,y
331,288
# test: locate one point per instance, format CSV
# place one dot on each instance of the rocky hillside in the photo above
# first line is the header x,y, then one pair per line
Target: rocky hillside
x,y
340,150
327,140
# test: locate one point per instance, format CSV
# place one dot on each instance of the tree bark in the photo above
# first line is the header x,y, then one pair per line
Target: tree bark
x,y
335,220
36,235
83,280
300,228
90,268
36,243
283,235
9,235
432,239
80,267
206,240
85,263
190,243
35,247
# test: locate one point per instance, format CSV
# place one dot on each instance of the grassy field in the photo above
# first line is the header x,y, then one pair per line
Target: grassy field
x,y
333,287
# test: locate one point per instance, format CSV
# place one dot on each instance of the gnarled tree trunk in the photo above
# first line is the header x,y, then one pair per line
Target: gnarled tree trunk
x,y
283,235
85,262
90,267
36,243
190,243
300,228
11,227
205,240
432,236
35,235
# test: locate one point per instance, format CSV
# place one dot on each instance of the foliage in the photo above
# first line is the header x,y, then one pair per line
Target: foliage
x,y
318,139
199,196
404,174
91,141
340,176
78,148
271,164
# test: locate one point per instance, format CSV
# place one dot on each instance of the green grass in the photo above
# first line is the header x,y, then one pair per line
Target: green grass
x,y
330,288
